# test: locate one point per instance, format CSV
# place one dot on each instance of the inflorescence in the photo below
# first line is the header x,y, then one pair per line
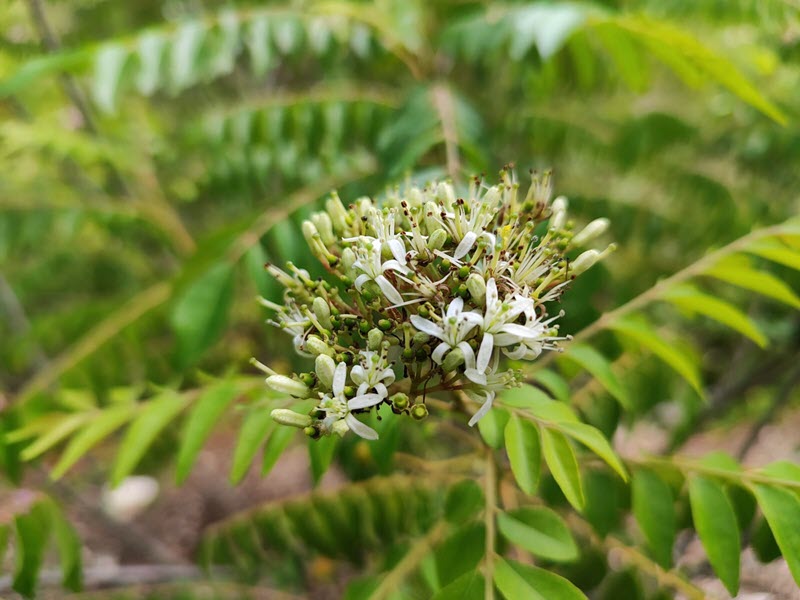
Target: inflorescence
x,y
429,292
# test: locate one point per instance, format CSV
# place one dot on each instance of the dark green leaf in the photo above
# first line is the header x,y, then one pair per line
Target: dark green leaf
x,y
516,581
781,508
540,531
563,465
464,501
655,513
524,453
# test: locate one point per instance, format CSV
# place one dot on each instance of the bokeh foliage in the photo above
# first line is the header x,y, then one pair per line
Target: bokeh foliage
x,y
156,154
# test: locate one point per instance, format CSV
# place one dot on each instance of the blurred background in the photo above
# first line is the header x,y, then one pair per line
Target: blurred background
x,y
155,154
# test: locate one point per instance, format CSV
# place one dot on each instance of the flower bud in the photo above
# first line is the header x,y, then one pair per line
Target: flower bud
x,y
310,232
284,416
322,222
431,217
322,310
584,261
558,214
287,385
421,338
446,194
374,339
337,212
453,360
590,232
419,412
324,367
314,345
348,258
437,239
477,288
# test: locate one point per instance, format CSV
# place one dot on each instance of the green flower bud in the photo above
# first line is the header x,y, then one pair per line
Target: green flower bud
x,y
324,367
463,272
462,291
312,432
444,266
399,400
407,355
589,258
363,327
419,412
322,222
385,324
308,378
348,258
322,310
591,231
374,339
287,385
477,288
437,239
423,312
316,346
337,212
310,232
558,213
422,354
284,416
349,391
453,360
421,338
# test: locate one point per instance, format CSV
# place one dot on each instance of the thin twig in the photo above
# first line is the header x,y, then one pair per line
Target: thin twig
x,y
446,109
490,494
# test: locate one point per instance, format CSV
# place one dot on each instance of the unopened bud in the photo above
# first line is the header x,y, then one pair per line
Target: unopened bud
x,y
437,239
446,194
284,416
337,212
453,360
323,223
314,345
477,287
374,339
421,338
322,310
558,213
584,261
419,412
310,231
324,367
287,385
348,258
590,232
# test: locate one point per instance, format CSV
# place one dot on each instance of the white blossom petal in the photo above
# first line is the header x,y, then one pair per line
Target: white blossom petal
x,y
487,404
426,326
388,290
363,401
398,250
485,352
339,378
521,331
465,245
361,280
455,308
439,352
361,430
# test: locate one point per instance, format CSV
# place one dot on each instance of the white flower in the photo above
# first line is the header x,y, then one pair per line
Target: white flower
x,y
337,407
373,268
456,325
486,393
290,319
373,373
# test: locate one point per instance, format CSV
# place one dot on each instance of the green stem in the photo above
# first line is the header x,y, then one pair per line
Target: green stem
x,y
490,492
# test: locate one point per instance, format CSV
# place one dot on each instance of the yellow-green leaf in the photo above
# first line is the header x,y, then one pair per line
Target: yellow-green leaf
x,y
563,465
524,453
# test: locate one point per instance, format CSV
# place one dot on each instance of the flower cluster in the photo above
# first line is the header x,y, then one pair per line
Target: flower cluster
x,y
429,291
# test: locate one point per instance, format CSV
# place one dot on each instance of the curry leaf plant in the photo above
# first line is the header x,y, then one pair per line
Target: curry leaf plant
x,y
433,288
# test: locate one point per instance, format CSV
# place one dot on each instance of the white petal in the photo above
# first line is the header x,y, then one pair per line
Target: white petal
x,y
388,290
469,355
491,294
483,409
362,389
465,245
398,250
455,308
339,377
363,401
426,326
517,353
476,376
485,352
439,352
505,339
357,427
358,375
361,280
381,389
388,376
522,332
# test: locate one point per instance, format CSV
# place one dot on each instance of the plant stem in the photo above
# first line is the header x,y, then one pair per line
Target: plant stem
x,y
490,493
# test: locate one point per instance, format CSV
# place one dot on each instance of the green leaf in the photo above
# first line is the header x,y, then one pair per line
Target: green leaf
x,y
516,581
524,453
540,531
547,26
596,364
776,252
603,500
184,56
32,533
593,439
654,511
321,453
563,465
151,47
640,332
554,383
464,501
781,509
199,314
538,403
64,428
690,299
278,441
736,270
716,524
100,427
155,415
202,418
253,431
469,586
108,68
491,427
69,548
460,553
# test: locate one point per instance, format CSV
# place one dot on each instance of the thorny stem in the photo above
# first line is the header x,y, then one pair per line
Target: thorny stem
x,y
490,493
653,293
